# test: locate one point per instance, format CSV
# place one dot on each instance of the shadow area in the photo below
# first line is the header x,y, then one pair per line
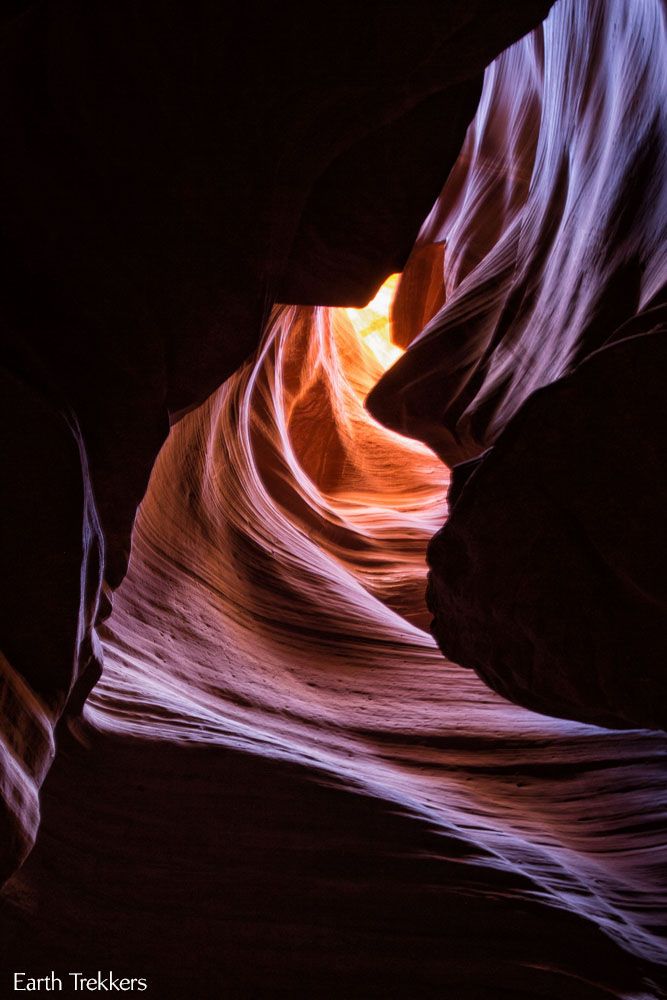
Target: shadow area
x,y
214,873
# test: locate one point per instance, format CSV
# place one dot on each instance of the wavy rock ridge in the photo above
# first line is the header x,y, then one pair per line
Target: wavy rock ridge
x,y
550,346
278,786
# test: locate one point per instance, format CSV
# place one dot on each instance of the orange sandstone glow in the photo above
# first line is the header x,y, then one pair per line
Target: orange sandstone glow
x,y
285,530
275,607
350,801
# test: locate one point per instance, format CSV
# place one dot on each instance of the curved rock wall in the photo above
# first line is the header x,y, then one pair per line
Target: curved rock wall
x,y
272,612
172,170
279,786
547,577
553,222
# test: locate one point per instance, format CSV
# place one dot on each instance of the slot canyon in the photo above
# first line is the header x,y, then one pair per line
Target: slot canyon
x,y
333,637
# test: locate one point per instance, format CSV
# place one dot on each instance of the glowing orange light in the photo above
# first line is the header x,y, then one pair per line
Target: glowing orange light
x,y
373,327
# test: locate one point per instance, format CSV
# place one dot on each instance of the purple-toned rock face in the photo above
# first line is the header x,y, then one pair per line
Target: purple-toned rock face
x,y
267,779
548,578
552,220
176,169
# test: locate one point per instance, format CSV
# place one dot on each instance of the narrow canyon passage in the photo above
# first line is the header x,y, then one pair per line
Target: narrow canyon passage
x,y
278,776
373,705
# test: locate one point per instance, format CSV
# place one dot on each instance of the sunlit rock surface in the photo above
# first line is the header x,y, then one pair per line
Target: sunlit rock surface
x,y
553,224
171,171
549,577
278,776
279,786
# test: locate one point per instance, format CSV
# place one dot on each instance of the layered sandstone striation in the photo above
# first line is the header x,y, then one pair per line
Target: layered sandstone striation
x,y
173,172
268,780
549,349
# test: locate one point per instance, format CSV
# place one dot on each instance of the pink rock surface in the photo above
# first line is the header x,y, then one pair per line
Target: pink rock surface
x,y
279,786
